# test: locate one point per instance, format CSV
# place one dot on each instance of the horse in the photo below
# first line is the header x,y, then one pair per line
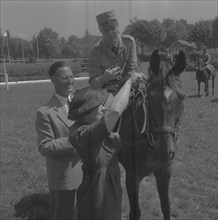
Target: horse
x,y
149,128
203,74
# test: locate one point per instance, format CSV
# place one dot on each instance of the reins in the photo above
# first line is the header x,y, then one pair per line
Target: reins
x,y
161,129
148,129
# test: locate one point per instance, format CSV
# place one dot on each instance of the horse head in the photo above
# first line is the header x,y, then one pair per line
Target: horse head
x,y
165,103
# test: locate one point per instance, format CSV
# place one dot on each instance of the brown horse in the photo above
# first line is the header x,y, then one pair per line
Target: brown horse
x,y
203,74
151,148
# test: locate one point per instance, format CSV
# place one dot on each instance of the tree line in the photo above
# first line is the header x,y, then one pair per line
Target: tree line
x,y
148,34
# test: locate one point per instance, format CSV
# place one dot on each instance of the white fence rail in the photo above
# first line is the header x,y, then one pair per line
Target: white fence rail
x,y
6,80
79,82
83,62
19,60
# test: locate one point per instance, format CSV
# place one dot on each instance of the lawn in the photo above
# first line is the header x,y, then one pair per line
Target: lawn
x,y
193,189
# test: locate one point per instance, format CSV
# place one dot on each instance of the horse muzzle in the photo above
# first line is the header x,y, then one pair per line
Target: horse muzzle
x,y
165,146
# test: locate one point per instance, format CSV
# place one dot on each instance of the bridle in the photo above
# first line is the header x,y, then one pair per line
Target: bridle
x,y
149,131
152,131
160,129
142,90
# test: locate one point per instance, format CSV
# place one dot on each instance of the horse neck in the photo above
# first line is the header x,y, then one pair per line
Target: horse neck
x,y
200,64
132,122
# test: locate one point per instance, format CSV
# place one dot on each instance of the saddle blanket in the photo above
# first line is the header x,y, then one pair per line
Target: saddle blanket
x,y
210,67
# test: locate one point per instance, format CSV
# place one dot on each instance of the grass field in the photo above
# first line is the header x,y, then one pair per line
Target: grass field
x,y
193,189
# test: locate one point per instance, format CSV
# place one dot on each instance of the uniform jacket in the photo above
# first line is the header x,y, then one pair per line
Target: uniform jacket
x,y
206,58
63,163
102,58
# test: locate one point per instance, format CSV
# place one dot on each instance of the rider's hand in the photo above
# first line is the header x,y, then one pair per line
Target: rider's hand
x,y
111,74
137,77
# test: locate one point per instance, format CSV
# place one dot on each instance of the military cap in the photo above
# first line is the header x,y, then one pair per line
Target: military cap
x,y
107,18
86,100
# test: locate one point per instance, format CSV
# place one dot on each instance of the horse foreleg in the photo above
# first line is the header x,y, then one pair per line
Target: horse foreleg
x,y
163,182
213,79
199,87
132,187
206,89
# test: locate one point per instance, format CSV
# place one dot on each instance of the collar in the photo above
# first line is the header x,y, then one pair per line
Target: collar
x,y
118,45
62,99
107,48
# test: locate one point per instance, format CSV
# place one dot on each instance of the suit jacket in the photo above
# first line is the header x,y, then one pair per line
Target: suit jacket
x,y
63,163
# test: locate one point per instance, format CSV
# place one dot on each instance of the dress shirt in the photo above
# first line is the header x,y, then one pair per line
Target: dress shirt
x,y
64,101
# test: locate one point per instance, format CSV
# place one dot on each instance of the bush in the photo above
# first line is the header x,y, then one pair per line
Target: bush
x,y
194,55
214,62
213,53
33,71
190,66
144,57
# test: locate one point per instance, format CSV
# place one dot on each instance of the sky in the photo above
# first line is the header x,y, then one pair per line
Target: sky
x,y
25,18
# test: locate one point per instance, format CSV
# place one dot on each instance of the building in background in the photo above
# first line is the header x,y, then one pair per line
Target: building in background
x,y
182,45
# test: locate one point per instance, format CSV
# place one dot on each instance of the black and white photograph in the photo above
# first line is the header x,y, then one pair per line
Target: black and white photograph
x,y
109,110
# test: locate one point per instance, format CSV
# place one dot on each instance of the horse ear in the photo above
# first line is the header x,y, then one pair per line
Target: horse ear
x,y
155,62
180,64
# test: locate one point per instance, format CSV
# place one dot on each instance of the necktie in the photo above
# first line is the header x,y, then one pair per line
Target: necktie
x,y
114,50
67,105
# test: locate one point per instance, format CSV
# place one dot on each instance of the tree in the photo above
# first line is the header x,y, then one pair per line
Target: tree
x,y
215,32
3,46
15,47
71,48
169,32
5,43
201,33
156,32
49,43
147,34
135,30
182,29
88,42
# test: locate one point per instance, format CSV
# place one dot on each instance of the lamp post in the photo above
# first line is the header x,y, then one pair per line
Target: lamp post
x,y
130,10
6,36
37,45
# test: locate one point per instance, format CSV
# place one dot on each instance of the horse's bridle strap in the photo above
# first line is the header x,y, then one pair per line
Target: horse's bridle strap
x,y
165,129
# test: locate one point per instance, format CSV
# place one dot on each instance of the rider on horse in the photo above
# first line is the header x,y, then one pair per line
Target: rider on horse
x,y
206,61
169,56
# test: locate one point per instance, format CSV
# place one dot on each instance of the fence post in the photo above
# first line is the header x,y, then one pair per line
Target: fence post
x,y
6,76
6,81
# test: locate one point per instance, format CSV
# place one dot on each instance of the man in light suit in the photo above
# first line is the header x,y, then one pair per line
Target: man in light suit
x,y
63,164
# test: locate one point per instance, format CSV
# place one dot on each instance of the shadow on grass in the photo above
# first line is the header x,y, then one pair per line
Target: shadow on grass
x,y
33,207
214,100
